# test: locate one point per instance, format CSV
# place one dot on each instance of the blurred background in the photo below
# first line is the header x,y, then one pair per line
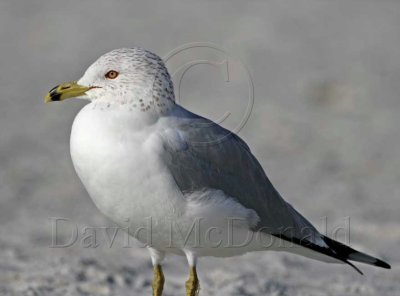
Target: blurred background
x,y
324,125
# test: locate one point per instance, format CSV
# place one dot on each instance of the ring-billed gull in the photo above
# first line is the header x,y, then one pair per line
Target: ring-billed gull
x,y
178,182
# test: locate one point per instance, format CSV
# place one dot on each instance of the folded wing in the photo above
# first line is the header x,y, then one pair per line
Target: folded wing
x,y
200,155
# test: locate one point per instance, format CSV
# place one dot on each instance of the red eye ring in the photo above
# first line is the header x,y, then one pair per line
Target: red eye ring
x,y
111,74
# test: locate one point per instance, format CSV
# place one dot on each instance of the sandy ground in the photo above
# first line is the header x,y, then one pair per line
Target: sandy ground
x,y
325,125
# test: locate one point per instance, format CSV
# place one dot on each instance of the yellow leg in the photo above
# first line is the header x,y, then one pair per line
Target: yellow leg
x,y
158,280
192,284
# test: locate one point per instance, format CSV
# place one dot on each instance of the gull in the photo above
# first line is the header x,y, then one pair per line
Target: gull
x,y
177,182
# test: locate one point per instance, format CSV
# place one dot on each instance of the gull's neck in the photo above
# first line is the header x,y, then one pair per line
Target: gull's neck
x,y
145,107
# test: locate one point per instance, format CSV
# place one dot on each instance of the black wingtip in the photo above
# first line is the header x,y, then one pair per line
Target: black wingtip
x,y
382,264
349,253
339,251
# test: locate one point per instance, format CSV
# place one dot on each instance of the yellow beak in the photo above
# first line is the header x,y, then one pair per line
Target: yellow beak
x,y
65,91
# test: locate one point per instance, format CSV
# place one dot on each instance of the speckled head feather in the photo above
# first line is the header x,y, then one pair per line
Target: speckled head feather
x,y
143,81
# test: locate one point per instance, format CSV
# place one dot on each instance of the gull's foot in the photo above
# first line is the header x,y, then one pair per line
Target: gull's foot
x,y
192,284
158,281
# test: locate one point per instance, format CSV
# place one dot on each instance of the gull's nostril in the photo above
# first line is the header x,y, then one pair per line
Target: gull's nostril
x,y
65,86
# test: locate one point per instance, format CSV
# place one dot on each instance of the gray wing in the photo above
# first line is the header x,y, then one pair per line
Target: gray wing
x,y
202,154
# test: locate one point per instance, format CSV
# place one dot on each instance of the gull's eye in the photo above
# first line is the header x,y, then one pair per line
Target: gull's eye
x,y
111,74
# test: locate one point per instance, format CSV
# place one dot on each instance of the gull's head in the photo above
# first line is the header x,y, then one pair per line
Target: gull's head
x,y
132,76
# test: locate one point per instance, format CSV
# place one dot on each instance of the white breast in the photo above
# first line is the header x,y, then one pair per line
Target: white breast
x,y
117,159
